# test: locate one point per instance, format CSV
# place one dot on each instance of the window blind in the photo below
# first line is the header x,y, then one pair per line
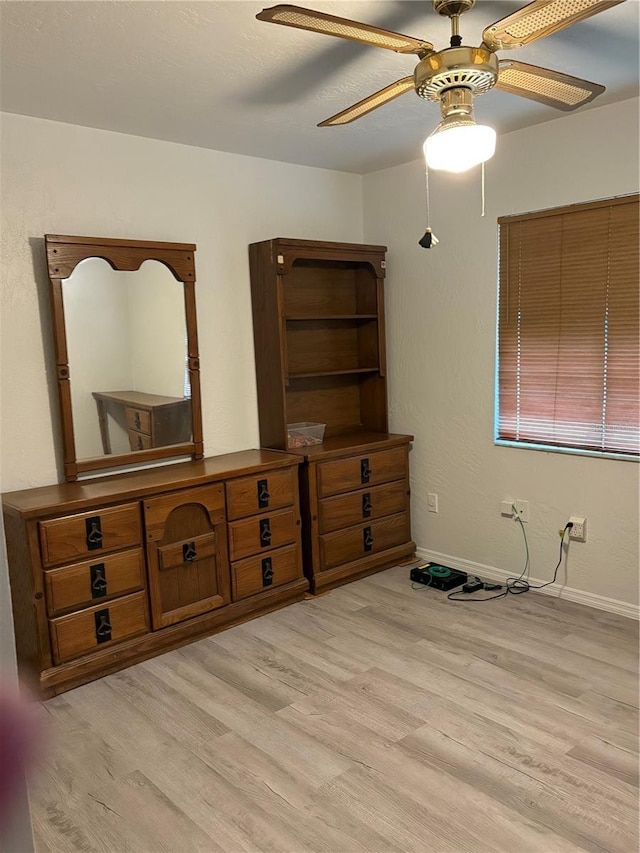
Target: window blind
x,y
568,328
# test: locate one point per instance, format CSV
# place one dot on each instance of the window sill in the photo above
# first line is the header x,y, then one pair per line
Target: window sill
x,y
574,451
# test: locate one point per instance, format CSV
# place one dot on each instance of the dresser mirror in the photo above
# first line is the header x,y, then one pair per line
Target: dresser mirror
x,y
126,349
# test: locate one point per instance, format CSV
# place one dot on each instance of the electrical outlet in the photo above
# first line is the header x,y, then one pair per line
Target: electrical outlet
x,y
522,510
432,502
506,508
579,530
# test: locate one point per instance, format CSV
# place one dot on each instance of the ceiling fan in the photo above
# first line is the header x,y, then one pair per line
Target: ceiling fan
x,y
455,75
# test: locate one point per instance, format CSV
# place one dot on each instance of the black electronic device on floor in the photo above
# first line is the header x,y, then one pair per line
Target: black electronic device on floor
x,y
437,576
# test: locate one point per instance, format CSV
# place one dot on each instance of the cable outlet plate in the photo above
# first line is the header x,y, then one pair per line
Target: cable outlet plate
x,y
579,530
515,509
522,510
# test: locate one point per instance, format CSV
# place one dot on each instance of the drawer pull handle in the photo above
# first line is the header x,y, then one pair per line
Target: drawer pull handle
x,y
367,539
136,420
103,625
267,572
189,552
140,444
94,533
265,532
98,580
365,471
367,506
263,493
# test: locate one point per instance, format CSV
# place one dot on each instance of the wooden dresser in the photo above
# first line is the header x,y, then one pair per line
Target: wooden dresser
x,y
319,333
109,571
355,507
150,420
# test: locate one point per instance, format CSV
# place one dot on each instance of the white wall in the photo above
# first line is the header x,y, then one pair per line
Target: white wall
x,y
441,311
63,179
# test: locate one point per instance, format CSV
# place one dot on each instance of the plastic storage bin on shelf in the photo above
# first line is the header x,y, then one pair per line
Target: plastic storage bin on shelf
x,y
304,434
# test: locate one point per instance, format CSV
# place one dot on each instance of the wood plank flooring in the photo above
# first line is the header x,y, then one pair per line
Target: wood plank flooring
x,y
376,718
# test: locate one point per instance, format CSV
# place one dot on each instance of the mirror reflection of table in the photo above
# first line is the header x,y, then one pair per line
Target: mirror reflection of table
x,y
151,420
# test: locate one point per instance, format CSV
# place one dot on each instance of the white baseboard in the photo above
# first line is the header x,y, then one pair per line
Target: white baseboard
x,y
601,602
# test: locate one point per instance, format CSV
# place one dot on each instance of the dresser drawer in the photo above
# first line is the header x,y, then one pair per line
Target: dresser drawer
x,y
344,546
89,534
138,420
76,586
97,627
345,510
251,495
189,551
139,440
343,475
253,535
258,573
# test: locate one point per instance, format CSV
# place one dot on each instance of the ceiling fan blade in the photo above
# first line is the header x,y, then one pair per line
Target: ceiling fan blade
x,y
366,105
539,19
552,88
319,22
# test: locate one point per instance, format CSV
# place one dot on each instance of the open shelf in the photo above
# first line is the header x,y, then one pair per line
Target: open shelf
x,y
329,317
311,374
336,346
343,401
329,287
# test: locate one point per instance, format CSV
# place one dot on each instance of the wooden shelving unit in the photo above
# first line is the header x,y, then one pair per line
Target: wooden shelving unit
x,y
318,312
318,318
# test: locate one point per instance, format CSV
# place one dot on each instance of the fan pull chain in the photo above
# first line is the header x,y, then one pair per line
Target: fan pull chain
x,y
429,239
482,189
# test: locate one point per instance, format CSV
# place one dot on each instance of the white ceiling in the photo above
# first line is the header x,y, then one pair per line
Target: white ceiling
x,y
208,74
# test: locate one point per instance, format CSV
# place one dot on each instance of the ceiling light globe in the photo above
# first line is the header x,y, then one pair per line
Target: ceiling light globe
x,y
459,147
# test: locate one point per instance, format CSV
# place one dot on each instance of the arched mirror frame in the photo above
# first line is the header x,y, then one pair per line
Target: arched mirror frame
x,y
64,253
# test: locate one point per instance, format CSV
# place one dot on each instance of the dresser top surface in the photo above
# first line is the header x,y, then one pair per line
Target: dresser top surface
x,y
138,398
350,443
84,494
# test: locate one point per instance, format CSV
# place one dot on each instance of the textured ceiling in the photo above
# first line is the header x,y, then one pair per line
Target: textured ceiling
x,y
209,74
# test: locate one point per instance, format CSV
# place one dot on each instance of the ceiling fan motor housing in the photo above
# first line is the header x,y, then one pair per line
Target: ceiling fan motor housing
x,y
449,8
473,68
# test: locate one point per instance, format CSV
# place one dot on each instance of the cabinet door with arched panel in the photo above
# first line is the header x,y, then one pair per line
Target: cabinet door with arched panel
x,y
187,554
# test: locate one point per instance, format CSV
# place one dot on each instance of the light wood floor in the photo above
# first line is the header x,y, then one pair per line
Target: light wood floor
x,y
376,718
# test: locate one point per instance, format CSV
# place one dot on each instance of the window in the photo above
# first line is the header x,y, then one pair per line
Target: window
x,y
568,354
